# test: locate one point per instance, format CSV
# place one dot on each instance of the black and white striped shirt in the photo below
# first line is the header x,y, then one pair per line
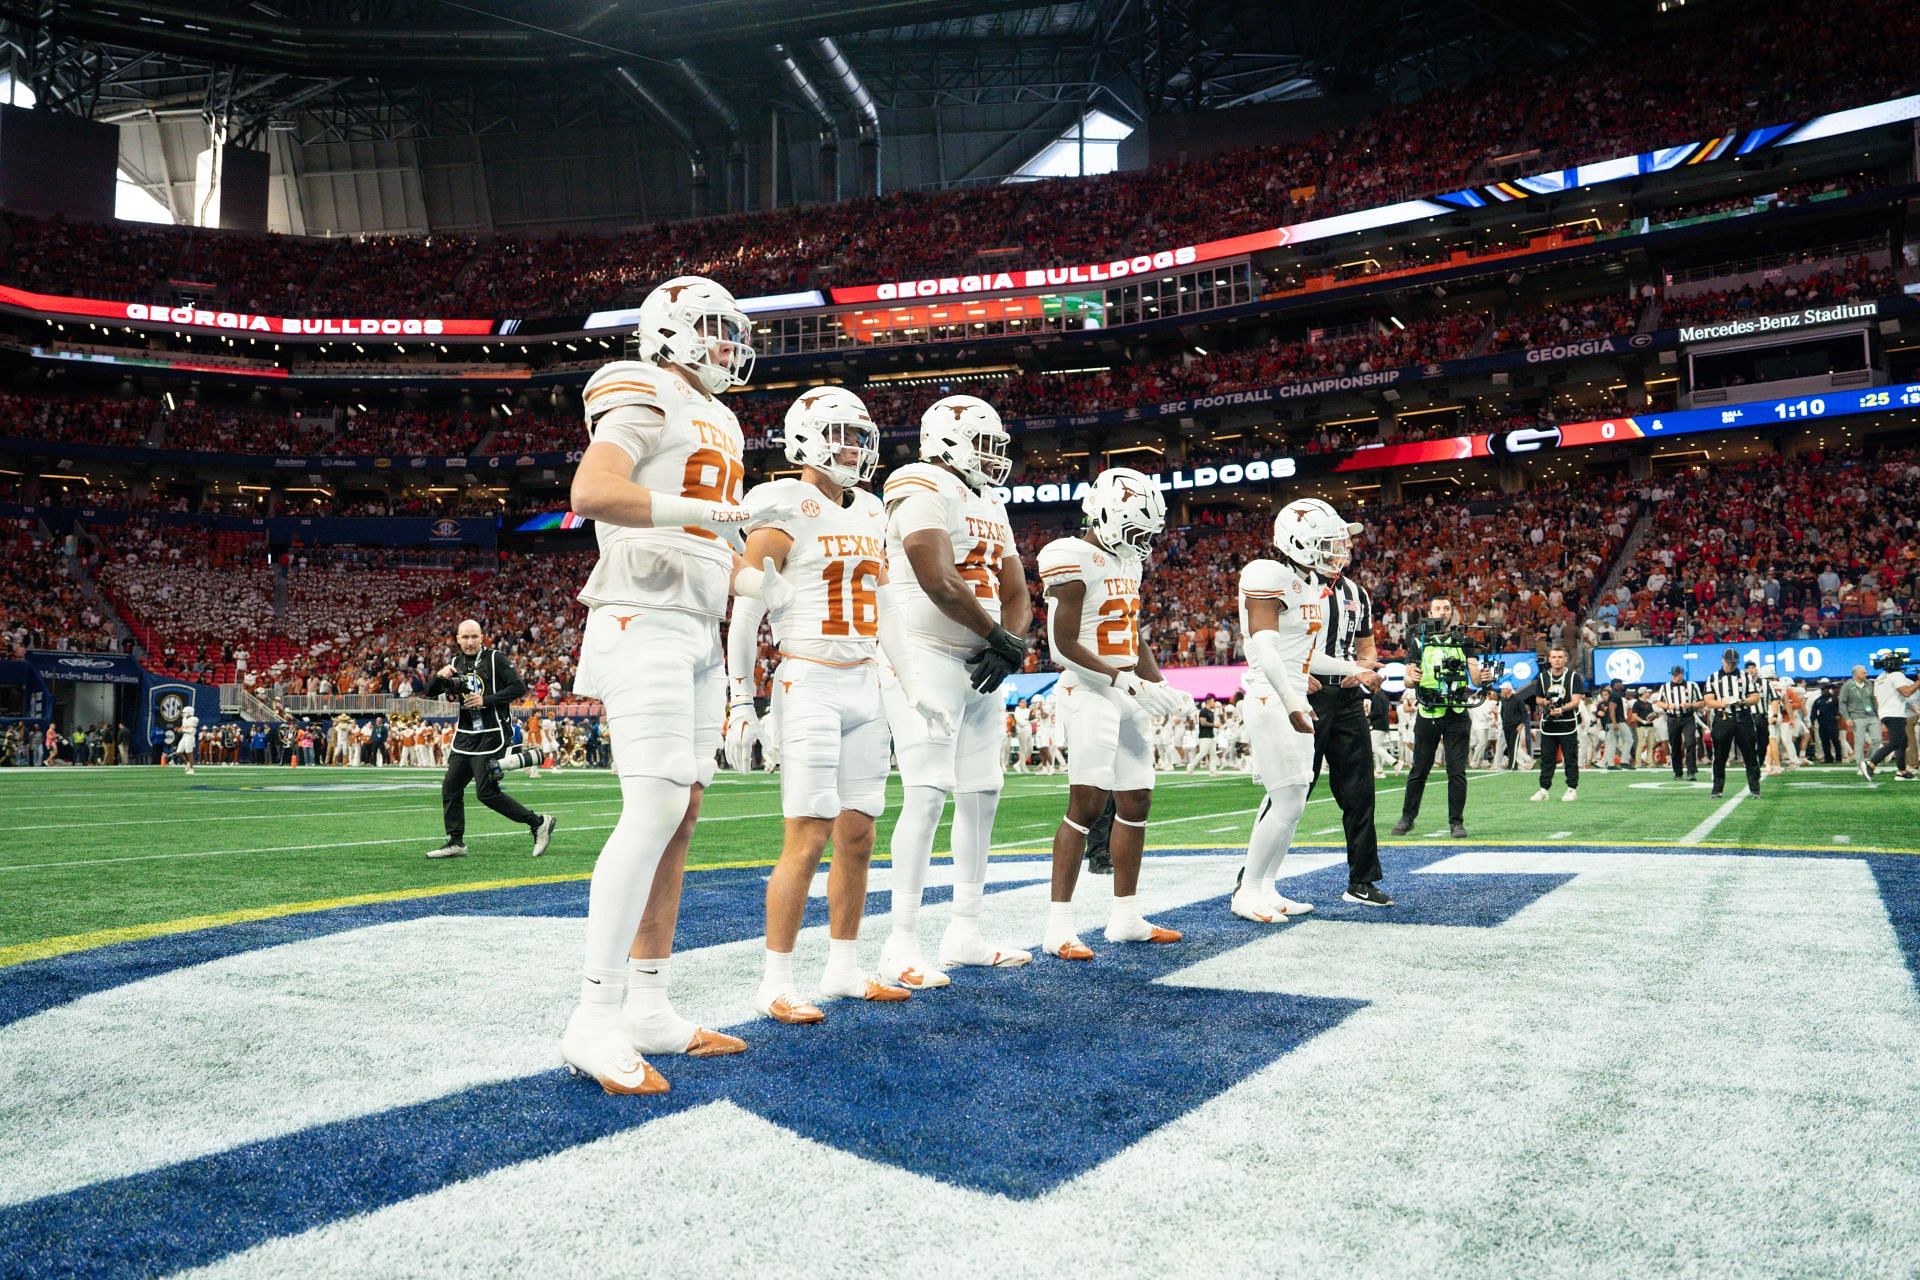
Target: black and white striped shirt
x,y
1675,696
1352,619
1733,688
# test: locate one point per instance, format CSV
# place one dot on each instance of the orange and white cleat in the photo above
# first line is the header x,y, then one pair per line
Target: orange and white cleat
x,y
1159,934
962,946
713,1044
1260,911
596,1047
858,986
784,1006
1289,908
900,962
1070,949
1138,929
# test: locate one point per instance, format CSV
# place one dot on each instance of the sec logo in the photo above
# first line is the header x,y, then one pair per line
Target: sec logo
x,y
809,508
1625,664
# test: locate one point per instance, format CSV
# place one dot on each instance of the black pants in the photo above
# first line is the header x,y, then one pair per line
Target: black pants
x,y
1429,732
1343,738
1895,745
1555,747
453,795
1741,731
1683,744
1829,741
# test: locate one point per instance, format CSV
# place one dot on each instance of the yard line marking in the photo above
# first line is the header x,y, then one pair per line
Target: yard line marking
x,y
1217,830
1713,820
1559,835
1324,831
1843,839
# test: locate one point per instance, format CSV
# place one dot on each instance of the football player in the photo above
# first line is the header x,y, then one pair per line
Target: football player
x,y
828,538
1109,693
661,479
1283,607
962,596
189,739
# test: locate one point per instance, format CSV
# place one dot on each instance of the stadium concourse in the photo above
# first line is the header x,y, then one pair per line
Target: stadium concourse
x,y
1600,322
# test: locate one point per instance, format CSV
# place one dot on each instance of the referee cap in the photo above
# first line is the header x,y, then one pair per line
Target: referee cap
x,y
1731,655
1678,670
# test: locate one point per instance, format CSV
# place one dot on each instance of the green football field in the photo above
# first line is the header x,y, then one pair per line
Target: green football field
x,y
108,855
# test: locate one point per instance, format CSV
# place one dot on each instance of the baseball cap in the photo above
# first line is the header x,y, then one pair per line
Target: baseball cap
x,y
1678,670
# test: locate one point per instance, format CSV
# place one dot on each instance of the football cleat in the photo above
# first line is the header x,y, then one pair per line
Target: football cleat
x,y
1256,909
784,1006
596,1047
713,1044
543,834
1070,949
962,946
1139,930
669,1033
1290,907
900,962
858,986
451,849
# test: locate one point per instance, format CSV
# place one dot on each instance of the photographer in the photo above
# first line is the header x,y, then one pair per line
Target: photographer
x,y
1738,703
1559,691
487,688
1891,689
1444,671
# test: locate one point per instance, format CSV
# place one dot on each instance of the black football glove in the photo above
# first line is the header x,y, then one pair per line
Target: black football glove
x,y
1005,654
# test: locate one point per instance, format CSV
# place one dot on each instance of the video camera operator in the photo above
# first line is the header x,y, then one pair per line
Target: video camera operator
x,y
1444,671
1896,683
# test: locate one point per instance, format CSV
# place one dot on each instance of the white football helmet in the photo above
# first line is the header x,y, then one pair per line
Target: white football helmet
x,y
692,322
1125,510
965,433
822,425
1311,534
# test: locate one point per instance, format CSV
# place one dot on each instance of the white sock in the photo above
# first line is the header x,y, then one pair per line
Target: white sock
x,y
650,812
1059,922
603,989
842,955
973,813
1122,911
652,1021
779,976
912,848
1273,836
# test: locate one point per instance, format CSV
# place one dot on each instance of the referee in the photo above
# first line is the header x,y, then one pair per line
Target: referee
x,y
1736,700
1678,697
486,687
1343,734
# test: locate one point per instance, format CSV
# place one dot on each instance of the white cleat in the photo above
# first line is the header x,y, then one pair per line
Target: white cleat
x,y
1139,929
962,946
900,963
860,986
597,1047
1541,794
1259,910
1572,794
1288,907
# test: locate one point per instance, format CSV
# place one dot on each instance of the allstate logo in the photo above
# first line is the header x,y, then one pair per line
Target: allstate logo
x,y
1640,340
1625,664
445,529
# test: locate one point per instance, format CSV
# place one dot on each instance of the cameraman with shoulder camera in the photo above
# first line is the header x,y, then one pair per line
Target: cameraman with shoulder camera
x,y
1444,671
1891,689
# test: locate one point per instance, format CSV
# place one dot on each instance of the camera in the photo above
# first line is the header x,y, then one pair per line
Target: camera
x,y
1900,660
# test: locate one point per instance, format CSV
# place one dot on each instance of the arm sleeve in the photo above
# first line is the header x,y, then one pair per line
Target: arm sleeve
x,y
1325,664
1263,650
508,687
743,645
893,642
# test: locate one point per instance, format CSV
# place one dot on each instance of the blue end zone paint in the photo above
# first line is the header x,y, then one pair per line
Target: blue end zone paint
x,y
1899,881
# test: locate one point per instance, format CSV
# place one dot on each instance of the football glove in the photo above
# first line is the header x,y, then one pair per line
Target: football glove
x,y
1005,654
743,730
765,585
1149,697
939,722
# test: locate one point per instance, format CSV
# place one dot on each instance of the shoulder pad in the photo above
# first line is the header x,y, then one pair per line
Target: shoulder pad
x,y
1062,560
920,477
1264,578
623,382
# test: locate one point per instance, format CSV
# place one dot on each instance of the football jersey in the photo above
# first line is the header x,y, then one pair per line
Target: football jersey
x,y
687,444
1303,599
1110,612
835,563
977,525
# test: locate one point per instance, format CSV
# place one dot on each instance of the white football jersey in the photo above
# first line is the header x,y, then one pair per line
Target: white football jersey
x,y
838,556
683,443
976,524
1303,614
1110,613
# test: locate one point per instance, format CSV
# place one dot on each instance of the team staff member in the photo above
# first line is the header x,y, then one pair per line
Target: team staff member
x,y
1737,701
1343,725
1560,692
1433,667
1857,708
487,687
1891,689
1826,720
1678,697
